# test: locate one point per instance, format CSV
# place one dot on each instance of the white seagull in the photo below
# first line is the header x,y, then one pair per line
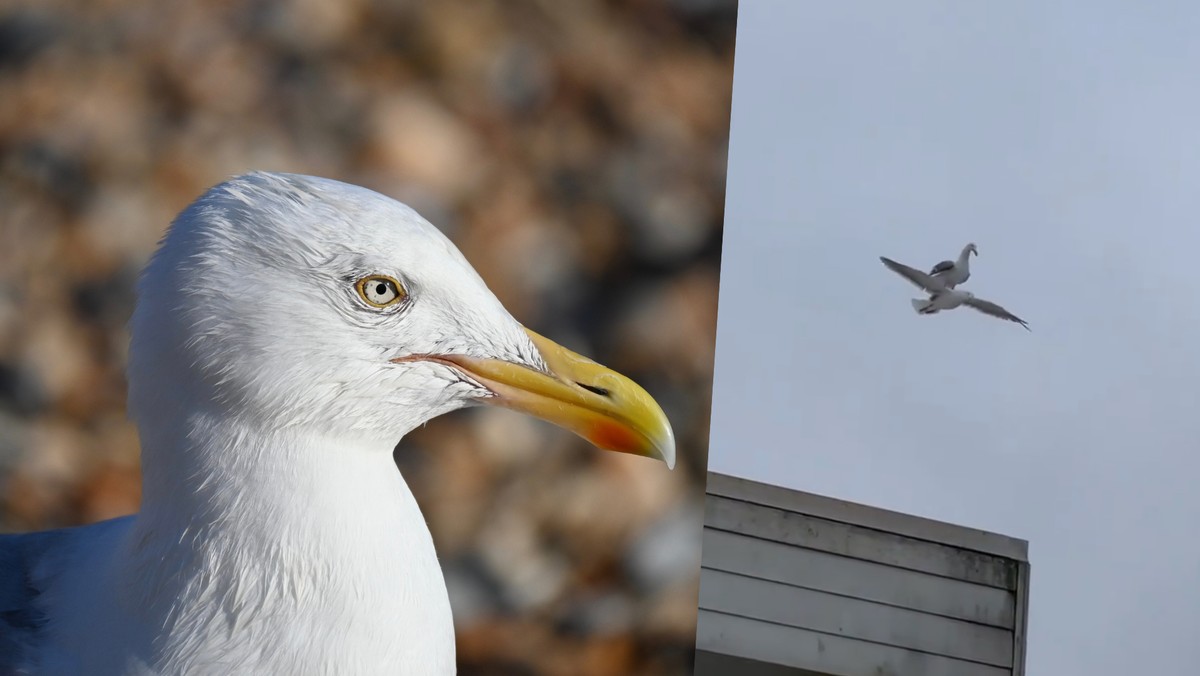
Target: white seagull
x,y
288,332
953,273
943,298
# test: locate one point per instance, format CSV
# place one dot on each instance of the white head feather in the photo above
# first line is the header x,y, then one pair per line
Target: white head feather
x,y
250,304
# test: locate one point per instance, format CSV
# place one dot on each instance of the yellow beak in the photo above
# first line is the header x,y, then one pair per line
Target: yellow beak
x,y
597,403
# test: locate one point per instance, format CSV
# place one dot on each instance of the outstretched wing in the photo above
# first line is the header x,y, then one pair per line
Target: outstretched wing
x,y
990,308
918,278
944,266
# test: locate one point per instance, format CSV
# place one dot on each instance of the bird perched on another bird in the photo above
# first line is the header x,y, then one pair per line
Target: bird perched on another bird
x,y
945,297
288,332
952,273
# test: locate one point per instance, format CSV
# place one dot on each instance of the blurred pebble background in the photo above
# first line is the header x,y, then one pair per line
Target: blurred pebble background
x,y
575,151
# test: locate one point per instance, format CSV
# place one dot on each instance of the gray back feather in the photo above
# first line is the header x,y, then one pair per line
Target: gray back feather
x,y
942,267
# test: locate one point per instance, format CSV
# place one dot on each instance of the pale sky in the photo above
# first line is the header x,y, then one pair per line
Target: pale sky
x,y
1063,138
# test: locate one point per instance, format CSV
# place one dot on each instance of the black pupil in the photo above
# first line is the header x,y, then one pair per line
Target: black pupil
x,y
381,289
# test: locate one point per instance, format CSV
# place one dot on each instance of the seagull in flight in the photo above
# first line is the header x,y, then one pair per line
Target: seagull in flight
x,y
288,332
942,297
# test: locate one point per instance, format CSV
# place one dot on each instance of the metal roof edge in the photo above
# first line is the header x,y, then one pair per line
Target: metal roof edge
x,y
876,518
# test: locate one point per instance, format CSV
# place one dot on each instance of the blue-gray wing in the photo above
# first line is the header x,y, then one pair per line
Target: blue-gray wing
x,y
990,308
913,275
22,618
33,569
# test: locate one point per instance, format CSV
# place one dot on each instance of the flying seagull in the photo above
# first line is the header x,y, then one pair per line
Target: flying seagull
x,y
943,298
288,331
952,298
953,273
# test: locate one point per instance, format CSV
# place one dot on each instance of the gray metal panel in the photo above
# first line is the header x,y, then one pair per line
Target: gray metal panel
x,y
854,618
716,664
869,517
807,582
812,569
823,653
858,542
1022,619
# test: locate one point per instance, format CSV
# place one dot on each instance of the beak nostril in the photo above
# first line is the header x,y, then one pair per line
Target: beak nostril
x,y
594,390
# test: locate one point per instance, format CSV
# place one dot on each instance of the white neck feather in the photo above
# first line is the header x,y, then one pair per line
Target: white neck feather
x,y
290,552
964,258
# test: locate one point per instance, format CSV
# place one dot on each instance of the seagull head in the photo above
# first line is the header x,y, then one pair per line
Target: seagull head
x,y
971,248
290,301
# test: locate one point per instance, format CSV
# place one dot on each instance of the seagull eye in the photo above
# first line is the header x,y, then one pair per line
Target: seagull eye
x,y
379,291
